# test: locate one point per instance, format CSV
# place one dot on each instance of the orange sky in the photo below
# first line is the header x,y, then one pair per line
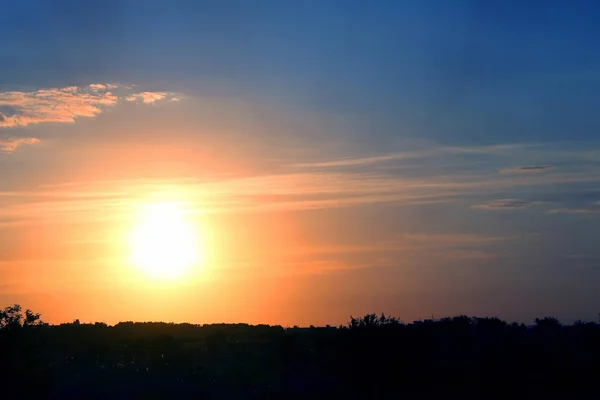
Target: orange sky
x,y
295,229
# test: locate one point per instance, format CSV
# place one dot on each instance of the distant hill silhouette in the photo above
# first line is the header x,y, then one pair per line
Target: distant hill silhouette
x,y
373,357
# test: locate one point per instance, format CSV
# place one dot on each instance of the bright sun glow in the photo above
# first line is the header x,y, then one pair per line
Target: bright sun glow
x,y
164,244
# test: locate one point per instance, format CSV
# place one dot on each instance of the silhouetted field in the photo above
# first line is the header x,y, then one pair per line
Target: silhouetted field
x,y
371,357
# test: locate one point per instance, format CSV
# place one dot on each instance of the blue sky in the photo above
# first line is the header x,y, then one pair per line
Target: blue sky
x,y
464,71
474,123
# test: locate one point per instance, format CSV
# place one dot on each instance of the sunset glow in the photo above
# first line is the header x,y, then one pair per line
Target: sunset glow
x,y
164,244
294,163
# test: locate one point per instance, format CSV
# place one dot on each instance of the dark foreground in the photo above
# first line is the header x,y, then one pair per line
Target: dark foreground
x,y
461,358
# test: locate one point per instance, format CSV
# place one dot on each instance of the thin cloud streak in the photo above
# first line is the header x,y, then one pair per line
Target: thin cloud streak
x,y
315,259
591,209
410,243
476,255
527,169
277,192
508,204
415,154
295,190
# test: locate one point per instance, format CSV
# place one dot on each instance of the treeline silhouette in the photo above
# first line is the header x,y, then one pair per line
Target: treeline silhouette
x,y
371,357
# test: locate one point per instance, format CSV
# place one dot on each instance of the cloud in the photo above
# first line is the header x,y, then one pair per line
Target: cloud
x,y
508,204
526,169
570,211
149,97
10,144
415,154
100,86
455,239
409,242
317,267
332,258
356,161
52,105
287,188
285,192
579,256
479,255
20,109
591,209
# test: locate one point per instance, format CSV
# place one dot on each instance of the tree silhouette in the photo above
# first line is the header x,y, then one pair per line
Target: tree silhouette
x,y
374,356
12,317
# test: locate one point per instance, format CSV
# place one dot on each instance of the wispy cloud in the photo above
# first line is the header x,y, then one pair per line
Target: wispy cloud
x,y
10,144
591,209
64,105
456,239
317,267
579,256
281,192
292,188
336,258
410,242
416,154
478,255
348,162
527,169
508,204
285,192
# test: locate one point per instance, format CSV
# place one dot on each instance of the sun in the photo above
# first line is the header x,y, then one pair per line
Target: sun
x,y
164,244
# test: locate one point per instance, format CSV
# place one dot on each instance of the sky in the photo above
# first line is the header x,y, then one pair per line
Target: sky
x,y
336,158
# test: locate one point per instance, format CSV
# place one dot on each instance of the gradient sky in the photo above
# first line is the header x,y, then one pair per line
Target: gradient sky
x,y
340,157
